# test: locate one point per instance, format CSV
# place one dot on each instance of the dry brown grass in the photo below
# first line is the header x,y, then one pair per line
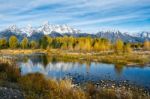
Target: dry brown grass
x,y
123,58
36,86
20,51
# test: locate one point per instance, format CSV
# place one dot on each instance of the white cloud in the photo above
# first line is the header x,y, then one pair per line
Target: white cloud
x,y
79,13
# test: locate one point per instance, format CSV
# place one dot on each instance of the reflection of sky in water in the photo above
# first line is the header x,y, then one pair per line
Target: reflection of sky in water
x,y
88,72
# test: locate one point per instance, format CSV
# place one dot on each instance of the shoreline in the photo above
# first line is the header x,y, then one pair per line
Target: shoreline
x,y
131,59
103,88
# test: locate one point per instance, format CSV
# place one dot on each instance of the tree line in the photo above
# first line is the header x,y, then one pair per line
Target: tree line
x,y
75,44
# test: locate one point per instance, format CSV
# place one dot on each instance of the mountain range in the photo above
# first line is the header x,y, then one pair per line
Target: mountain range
x,y
35,33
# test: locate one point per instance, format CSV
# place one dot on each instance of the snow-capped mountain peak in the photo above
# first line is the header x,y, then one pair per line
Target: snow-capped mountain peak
x,y
36,33
14,28
28,30
143,34
46,29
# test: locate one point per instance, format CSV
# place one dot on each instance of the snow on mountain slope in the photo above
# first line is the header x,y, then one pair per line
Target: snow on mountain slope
x,y
14,28
36,33
46,29
143,34
28,30
114,35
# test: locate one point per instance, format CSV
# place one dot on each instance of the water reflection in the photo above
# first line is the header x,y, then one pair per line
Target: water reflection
x,y
44,68
83,71
119,69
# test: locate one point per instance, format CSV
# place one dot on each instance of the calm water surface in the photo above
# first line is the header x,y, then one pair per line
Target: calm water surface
x,y
84,71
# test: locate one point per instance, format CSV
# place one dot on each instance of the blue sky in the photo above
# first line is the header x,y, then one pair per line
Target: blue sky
x,y
85,15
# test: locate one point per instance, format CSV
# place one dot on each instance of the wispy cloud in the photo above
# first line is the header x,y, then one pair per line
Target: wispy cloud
x,y
86,15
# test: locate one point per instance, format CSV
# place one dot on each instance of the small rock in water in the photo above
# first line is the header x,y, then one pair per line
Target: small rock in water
x,y
97,83
113,86
102,81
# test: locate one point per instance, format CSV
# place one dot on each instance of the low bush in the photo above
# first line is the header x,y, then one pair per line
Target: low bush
x,y
9,72
36,86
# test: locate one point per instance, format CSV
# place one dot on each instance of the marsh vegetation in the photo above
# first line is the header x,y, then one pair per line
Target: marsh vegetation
x,y
37,86
76,68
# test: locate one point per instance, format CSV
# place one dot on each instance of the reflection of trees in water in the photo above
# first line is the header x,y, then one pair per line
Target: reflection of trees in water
x,y
38,59
25,59
54,60
44,60
52,69
88,64
81,62
35,58
118,69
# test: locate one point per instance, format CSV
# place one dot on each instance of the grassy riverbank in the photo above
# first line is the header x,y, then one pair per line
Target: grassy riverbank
x,y
20,51
36,86
134,58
